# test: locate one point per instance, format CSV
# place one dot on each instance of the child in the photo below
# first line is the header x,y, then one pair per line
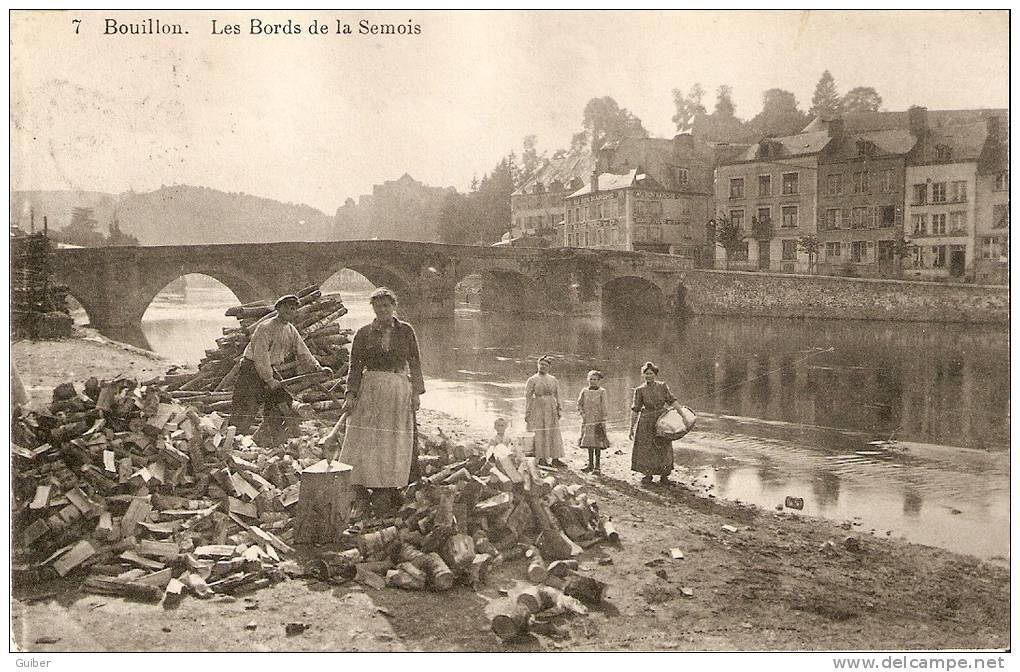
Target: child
x,y
500,425
593,405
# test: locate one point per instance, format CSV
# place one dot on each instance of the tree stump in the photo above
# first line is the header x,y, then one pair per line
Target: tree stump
x,y
324,503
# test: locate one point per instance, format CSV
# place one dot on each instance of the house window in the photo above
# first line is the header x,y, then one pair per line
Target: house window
x,y
938,192
885,250
791,183
764,215
859,251
1000,216
886,185
957,222
918,253
569,217
832,218
683,177
789,250
685,207
860,182
736,187
858,217
834,185
790,219
1002,181
888,216
938,224
737,217
832,250
943,153
920,194
938,253
991,248
764,185
959,192
920,223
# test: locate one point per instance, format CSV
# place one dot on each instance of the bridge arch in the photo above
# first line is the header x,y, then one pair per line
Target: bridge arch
x,y
243,285
505,289
86,305
633,296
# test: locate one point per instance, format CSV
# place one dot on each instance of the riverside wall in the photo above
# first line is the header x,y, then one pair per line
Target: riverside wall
x,y
709,292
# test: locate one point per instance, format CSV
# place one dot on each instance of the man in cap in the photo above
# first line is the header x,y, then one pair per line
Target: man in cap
x,y
275,340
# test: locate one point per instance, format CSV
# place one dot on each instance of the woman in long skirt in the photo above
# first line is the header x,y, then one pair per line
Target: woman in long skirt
x,y
542,414
652,455
383,387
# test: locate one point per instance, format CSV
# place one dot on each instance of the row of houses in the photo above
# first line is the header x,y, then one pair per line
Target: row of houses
x,y
916,194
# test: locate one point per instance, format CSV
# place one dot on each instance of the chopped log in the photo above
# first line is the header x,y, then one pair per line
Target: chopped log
x,y
42,498
137,511
35,531
440,575
459,552
562,568
324,503
554,544
159,579
537,571
537,598
160,549
610,533
511,623
145,563
129,589
81,552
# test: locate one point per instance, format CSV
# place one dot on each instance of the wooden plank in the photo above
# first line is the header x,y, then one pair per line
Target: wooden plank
x,y
42,498
145,563
82,502
243,487
271,539
110,461
81,552
245,509
290,495
159,579
216,550
160,549
136,512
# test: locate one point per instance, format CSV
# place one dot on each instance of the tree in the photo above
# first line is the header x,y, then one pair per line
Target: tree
x,y
861,99
729,235
826,101
531,160
687,107
810,245
724,106
902,248
611,121
779,114
118,238
81,230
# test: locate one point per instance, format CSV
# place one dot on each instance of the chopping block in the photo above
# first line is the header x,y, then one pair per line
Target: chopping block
x,y
324,503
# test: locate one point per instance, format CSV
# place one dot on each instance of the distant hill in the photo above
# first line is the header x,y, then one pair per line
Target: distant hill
x,y
181,215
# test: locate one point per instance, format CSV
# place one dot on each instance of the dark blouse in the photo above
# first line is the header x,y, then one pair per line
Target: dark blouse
x,y
367,353
652,397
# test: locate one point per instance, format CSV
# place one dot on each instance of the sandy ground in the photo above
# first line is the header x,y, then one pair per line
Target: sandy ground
x,y
765,586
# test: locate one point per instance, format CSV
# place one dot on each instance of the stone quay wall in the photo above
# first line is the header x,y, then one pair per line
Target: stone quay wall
x,y
707,292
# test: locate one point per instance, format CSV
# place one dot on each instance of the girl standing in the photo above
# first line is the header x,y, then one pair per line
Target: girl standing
x,y
593,405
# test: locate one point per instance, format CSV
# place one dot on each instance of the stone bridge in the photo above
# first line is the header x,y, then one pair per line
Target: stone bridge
x,y
115,285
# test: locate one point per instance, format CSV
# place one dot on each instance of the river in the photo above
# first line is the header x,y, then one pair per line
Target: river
x,y
786,407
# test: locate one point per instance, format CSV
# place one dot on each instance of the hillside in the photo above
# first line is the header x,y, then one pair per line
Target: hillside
x,y
181,215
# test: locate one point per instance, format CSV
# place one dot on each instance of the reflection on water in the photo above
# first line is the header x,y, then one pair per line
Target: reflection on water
x,y
786,407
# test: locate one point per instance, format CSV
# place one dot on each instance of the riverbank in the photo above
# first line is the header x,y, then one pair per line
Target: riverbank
x,y
772,584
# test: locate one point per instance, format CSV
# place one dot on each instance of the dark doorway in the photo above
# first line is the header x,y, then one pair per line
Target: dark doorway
x,y
957,261
764,262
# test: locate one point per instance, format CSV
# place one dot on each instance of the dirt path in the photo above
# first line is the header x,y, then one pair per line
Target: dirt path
x,y
765,586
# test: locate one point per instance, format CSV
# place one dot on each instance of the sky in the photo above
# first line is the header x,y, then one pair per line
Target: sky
x,y
315,119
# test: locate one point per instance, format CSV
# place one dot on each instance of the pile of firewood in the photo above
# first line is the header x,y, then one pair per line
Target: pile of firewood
x,y
211,387
147,496
475,507
38,306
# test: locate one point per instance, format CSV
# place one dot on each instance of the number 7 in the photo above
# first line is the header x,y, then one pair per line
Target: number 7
x,y
77,25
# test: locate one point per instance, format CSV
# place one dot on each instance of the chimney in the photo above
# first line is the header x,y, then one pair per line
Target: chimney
x,y
595,158
836,128
918,120
994,126
595,179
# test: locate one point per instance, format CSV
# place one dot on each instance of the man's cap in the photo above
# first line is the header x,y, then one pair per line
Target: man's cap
x,y
283,300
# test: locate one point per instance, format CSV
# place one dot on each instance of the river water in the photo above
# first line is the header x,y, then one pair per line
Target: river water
x,y
786,407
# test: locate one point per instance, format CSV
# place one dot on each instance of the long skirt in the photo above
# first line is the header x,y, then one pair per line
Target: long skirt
x,y
545,423
379,442
652,456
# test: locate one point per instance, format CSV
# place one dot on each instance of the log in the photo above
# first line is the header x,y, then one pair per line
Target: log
x,y
537,598
511,623
324,503
459,552
81,552
129,589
